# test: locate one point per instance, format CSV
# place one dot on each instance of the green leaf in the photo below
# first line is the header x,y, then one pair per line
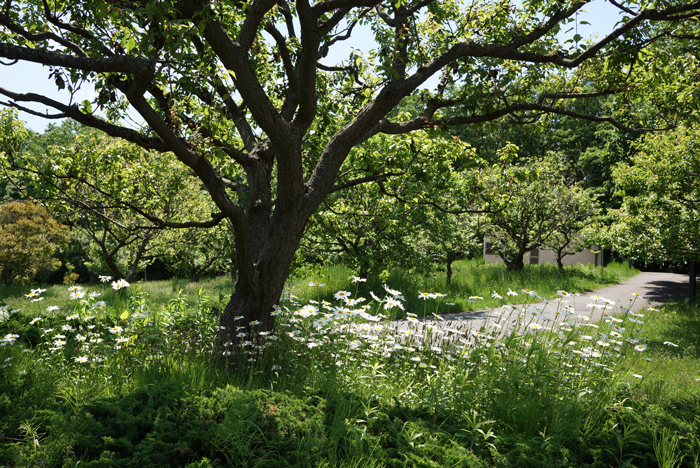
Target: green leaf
x,y
130,44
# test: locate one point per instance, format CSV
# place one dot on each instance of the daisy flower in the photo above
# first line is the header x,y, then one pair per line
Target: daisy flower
x,y
341,295
120,284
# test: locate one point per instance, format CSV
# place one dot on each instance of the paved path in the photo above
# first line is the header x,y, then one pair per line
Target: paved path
x,y
654,289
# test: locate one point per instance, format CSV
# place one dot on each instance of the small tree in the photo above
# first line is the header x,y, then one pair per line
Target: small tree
x,y
29,236
530,206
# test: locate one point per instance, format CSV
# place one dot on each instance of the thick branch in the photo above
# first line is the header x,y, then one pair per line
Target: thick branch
x,y
116,64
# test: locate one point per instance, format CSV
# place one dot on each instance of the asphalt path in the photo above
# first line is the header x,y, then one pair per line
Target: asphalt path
x,y
647,289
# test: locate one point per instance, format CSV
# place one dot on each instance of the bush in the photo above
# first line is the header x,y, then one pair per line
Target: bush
x,y
29,237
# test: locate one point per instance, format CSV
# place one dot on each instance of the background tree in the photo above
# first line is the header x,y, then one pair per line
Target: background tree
x,y
29,237
110,191
578,209
530,207
247,99
659,219
376,226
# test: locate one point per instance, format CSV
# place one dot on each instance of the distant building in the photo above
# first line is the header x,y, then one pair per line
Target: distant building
x,y
536,256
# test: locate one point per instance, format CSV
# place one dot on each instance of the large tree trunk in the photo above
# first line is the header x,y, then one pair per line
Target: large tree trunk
x,y
263,257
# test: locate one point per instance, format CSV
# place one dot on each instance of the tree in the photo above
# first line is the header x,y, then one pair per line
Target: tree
x,y
578,209
243,93
660,215
380,225
111,191
28,239
531,206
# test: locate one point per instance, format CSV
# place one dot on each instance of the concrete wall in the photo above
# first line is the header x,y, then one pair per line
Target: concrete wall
x,y
547,256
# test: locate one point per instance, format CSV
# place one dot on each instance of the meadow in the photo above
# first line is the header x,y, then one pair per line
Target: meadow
x,y
125,378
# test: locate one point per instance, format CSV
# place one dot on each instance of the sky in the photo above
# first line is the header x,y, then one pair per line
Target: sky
x,y
29,77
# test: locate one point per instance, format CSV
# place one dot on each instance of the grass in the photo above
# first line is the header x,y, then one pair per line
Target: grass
x,y
471,278
342,390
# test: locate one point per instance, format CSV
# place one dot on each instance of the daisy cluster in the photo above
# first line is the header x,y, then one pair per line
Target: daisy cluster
x,y
354,336
85,335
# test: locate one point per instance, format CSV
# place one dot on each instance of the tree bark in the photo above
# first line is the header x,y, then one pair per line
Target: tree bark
x,y
264,255
517,263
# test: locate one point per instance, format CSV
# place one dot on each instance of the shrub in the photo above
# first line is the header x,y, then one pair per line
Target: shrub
x,y
29,237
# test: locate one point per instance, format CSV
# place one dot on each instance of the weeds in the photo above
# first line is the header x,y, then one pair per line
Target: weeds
x,y
338,384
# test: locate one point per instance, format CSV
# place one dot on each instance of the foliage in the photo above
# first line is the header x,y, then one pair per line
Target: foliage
x,y
659,217
250,100
29,237
112,192
150,397
531,206
416,219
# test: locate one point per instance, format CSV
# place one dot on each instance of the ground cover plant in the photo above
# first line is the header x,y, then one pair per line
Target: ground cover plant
x,y
337,384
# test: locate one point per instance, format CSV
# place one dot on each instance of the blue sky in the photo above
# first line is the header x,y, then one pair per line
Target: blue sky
x,y
27,77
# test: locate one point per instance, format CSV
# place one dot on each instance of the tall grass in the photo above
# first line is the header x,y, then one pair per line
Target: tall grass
x,y
470,278
337,385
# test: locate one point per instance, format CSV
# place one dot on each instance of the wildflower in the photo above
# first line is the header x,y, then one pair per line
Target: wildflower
x,y
357,279
77,295
474,298
254,322
423,295
638,376
670,343
115,329
314,285
38,299
75,289
122,339
640,347
120,284
81,359
94,294
495,295
393,292
563,293
636,296
238,317
530,293
72,317
67,328
307,311
10,338
51,308
341,295
34,321
391,303
511,292
104,279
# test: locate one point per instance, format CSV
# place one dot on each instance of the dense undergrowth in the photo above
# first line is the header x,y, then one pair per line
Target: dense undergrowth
x,y
337,385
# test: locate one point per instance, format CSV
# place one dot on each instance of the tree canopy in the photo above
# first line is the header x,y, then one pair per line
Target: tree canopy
x,y
659,219
246,95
